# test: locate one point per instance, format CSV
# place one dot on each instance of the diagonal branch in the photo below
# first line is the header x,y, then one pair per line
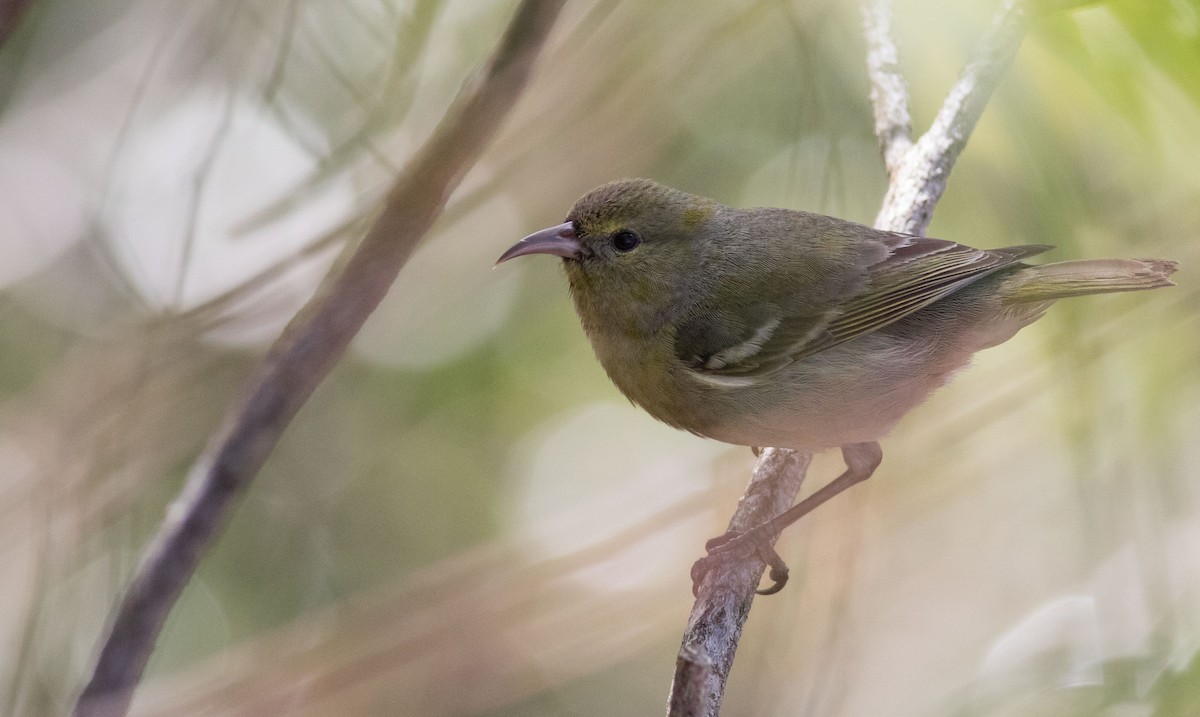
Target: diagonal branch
x,y
305,352
889,92
918,185
917,180
724,597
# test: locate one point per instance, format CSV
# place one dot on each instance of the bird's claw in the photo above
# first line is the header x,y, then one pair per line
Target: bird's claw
x,y
779,579
739,546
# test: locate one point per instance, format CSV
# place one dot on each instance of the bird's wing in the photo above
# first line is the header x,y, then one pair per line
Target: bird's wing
x,y
746,340
757,339
916,274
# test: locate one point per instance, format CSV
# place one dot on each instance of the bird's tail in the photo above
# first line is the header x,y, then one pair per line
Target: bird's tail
x,y
1088,276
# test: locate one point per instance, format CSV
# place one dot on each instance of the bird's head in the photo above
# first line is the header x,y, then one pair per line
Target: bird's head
x,y
631,241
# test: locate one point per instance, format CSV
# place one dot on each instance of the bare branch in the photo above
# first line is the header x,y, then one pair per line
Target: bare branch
x,y
305,352
915,190
917,183
724,598
889,92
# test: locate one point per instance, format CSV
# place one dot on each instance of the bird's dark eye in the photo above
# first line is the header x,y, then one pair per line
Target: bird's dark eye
x,y
625,240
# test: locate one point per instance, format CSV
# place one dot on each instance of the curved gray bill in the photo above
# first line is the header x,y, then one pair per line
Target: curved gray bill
x,y
558,240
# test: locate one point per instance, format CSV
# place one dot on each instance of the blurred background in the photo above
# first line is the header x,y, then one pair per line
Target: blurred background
x,y
467,518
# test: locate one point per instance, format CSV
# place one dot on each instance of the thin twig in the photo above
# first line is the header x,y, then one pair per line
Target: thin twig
x,y
915,190
305,352
725,596
889,92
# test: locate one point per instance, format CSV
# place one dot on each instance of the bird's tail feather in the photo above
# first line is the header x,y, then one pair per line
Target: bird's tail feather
x,y
1088,276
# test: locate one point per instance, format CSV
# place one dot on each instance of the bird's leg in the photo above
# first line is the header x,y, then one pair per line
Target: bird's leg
x,y
861,461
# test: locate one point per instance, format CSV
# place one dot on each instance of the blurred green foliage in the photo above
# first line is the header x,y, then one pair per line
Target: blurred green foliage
x,y
440,531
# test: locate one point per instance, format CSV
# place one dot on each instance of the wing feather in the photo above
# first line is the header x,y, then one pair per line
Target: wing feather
x,y
914,273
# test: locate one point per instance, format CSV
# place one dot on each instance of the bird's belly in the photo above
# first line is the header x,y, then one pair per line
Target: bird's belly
x,y
844,395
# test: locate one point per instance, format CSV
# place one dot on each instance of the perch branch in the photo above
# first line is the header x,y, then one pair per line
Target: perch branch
x,y
724,597
304,353
917,182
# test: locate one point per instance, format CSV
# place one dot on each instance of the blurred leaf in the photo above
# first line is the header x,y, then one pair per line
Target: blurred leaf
x,y
1167,32
1177,694
1120,82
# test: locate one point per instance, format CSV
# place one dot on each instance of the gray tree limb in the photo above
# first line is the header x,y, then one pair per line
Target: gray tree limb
x,y
921,178
305,353
918,174
724,597
889,92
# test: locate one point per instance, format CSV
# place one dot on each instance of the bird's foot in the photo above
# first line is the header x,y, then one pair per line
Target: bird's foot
x,y
733,546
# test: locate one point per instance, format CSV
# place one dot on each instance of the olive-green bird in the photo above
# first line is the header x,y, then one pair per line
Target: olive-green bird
x,y
774,327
